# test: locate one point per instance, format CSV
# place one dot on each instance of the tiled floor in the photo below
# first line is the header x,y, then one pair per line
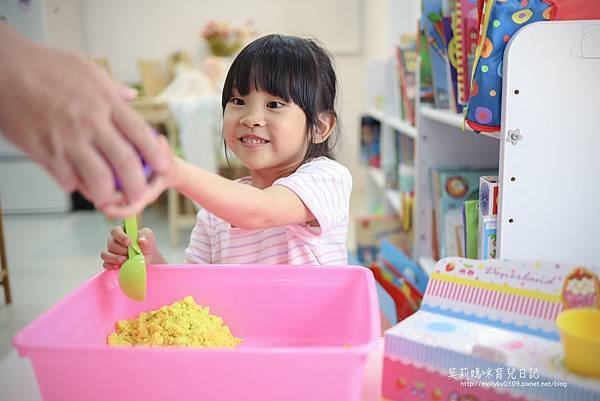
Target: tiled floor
x,y
50,255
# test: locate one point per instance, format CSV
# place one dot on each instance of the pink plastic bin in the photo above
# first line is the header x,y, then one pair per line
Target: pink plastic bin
x,y
307,331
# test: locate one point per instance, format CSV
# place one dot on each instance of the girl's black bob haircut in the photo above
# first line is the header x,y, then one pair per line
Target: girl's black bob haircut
x,y
295,69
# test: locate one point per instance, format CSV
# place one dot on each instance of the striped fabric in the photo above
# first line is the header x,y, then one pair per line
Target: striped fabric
x,y
324,186
491,299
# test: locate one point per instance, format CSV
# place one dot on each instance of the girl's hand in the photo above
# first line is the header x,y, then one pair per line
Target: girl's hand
x,y
116,253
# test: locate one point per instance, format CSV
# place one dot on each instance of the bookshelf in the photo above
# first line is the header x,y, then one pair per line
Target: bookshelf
x,y
380,193
547,177
554,164
442,143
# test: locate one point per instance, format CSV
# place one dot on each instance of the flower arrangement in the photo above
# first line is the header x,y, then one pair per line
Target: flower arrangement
x,y
224,40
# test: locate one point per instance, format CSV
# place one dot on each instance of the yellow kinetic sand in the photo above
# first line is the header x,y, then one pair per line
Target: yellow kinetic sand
x,y
183,324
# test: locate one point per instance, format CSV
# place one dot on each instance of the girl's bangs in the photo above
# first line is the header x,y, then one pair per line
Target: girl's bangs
x,y
275,71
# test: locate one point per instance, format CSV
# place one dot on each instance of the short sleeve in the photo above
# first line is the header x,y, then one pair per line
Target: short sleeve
x,y
324,186
199,248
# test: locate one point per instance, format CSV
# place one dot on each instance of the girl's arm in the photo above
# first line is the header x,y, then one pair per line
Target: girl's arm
x,y
241,205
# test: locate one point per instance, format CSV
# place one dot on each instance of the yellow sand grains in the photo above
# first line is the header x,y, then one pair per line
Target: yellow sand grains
x,y
183,324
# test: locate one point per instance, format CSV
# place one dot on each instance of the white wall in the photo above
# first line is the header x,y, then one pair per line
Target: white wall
x,y
63,24
125,30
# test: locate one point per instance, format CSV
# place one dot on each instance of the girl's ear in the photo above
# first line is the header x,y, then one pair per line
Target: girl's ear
x,y
325,125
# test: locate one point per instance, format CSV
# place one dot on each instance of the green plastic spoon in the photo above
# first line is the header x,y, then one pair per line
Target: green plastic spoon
x,y
132,276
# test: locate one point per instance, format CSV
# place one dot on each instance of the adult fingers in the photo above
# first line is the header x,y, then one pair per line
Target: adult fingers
x,y
63,173
96,179
118,210
125,92
132,126
124,161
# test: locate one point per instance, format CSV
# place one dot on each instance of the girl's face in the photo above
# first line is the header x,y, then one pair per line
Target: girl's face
x,y
265,132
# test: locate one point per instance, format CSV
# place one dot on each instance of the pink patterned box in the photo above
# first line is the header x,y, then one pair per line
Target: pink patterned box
x,y
486,332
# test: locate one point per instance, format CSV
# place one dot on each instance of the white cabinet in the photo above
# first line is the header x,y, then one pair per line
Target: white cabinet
x,y
27,188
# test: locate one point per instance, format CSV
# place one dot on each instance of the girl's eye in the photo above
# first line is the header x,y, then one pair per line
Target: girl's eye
x,y
275,105
237,101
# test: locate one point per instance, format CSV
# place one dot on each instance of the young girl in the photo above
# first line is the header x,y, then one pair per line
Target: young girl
x,y
278,117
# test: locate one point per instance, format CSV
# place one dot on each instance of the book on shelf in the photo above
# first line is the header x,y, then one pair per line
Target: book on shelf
x,y
435,245
406,178
488,216
408,204
370,141
406,149
371,230
405,267
471,227
405,160
450,188
405,304
466,31
406,54
425,78
403,280
452,51
433,27
487,238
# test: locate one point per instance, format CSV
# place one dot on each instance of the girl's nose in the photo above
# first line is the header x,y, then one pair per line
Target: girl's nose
x,y
252,120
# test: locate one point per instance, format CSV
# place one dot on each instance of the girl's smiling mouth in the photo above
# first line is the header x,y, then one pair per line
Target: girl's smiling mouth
x,y
253,140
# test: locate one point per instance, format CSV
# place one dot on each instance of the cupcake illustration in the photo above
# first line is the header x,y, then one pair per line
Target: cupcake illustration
x,y
581,289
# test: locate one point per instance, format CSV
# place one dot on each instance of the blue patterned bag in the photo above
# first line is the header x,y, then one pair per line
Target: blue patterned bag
x,y
500,20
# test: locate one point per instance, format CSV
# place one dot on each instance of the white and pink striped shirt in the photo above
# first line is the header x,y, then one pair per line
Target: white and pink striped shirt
x,y
324,186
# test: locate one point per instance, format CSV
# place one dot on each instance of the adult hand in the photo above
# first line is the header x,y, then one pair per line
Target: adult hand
x,y
120,208
69,116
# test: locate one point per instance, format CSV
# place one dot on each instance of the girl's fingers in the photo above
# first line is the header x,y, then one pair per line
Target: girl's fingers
x,y
116,248
111,258
146,240
110,266
119,236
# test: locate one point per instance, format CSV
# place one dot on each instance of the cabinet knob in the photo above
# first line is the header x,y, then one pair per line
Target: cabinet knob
x,y
514,136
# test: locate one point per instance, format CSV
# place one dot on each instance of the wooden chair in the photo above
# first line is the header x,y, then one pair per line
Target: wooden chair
x,y
4,264
152,76
180,211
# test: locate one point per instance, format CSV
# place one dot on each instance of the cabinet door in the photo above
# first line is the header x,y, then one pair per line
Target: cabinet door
x,y
549,154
